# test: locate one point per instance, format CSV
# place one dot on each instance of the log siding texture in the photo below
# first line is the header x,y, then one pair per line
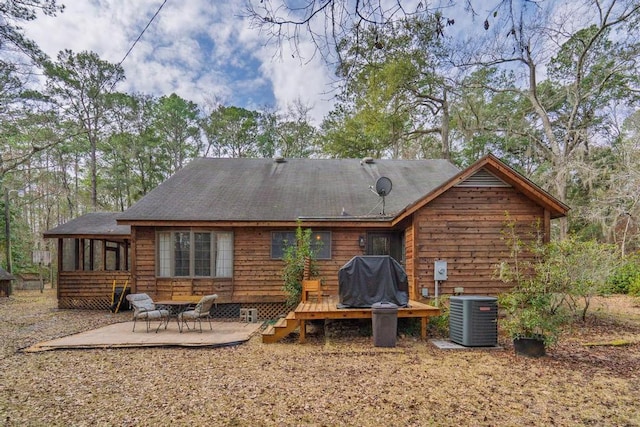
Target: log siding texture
x,y
465,227
442,213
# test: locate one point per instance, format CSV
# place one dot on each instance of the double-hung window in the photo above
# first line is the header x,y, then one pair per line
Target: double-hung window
x,y
194,253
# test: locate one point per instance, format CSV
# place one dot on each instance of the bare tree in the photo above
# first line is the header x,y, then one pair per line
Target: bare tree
x,y
571,61
327,22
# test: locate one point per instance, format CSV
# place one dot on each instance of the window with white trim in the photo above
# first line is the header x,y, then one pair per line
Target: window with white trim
x,y
194,253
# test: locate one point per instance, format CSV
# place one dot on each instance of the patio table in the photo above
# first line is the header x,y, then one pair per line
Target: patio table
x,y
175,307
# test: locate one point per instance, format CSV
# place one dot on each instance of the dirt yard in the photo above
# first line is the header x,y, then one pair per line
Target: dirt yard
x,y
333,379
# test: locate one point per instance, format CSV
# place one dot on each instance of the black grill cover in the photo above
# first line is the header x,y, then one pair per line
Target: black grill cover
x,y
366,280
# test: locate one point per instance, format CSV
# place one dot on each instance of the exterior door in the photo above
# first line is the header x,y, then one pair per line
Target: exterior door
x,y
386,243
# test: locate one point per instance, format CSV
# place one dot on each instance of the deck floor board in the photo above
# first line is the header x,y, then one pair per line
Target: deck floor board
x,y
327,308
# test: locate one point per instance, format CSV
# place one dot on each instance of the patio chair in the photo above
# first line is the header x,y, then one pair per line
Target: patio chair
x,y
144,308
201,310
310,287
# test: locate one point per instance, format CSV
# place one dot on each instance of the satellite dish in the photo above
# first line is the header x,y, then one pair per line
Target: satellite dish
x,y
383,186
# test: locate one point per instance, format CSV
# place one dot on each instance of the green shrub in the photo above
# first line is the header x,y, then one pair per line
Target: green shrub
x,y
627,273
439,325
295,256
634,286
555,283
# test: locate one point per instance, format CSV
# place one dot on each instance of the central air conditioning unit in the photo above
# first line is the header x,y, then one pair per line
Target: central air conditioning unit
x,y
473,320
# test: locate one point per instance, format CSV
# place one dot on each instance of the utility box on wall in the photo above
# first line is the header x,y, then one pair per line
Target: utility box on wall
x,y
440,270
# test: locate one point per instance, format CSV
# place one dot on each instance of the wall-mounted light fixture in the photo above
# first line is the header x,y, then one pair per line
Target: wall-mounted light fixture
x,y
361,241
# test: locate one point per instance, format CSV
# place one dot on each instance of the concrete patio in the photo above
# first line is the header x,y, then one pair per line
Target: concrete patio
x,y
120,335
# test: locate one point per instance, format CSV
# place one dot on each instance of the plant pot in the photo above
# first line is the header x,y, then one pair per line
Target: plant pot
x,y
531,347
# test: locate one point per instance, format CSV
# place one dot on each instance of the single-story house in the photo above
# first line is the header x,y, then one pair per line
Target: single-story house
x,y
221,225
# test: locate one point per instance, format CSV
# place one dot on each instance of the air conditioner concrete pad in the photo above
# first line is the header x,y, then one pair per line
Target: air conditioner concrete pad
x,y
450,345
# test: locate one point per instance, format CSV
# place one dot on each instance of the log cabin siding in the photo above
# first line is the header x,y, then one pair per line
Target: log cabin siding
x,y
143,260
344,247
144,264
89,284
257,278
464,226
410,251
89,289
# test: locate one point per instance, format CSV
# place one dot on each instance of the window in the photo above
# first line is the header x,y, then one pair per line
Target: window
x,y
386,243
94,255
280,240
69,257
320,243
181,253
116,256
202,254
194,254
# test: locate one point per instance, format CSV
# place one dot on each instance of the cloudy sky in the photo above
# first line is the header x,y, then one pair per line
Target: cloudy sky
x,y
199,49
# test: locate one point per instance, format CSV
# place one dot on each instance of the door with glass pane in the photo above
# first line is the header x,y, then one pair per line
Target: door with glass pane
x,y
386,243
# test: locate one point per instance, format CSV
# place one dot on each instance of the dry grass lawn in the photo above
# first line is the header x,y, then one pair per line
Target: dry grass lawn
x,y
333,379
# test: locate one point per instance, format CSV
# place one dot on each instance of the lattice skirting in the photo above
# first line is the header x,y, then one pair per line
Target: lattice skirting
x,y
87,303
268,310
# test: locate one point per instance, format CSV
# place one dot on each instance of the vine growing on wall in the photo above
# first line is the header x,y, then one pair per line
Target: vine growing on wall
x,y
296,254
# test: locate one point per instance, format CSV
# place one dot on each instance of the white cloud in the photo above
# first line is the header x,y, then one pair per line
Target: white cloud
x,y
197,49
294,79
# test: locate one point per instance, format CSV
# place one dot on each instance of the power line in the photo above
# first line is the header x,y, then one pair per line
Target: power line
x,y
140,36
137,40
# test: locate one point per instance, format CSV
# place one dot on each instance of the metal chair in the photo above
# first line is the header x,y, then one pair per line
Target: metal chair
x,y
201,310
144,308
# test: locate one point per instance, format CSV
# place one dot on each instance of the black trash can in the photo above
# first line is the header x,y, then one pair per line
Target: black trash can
x,y
117,294
384,318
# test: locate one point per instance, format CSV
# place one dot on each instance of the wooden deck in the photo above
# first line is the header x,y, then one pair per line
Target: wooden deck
x,y
327,309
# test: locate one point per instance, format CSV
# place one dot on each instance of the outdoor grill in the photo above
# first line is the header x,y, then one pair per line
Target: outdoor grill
x,y
366,280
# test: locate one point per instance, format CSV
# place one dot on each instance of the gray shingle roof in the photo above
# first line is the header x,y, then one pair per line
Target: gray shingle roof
x,y
4,275
97,224
211,189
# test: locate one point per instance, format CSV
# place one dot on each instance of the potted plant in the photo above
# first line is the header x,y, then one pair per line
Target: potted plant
x,y
532,318
533,309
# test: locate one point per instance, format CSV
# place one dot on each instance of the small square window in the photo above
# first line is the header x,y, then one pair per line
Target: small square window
x,y
280,240
321,244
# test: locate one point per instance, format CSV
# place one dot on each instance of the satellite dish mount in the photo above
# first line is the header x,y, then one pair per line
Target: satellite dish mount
x,y
383,188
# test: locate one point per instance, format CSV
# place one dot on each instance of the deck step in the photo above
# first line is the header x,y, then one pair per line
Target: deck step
x,y
270,330
283,327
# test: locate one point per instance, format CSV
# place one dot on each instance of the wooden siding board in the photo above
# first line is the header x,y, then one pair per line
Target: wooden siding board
x,y
463,226
256,277
90,284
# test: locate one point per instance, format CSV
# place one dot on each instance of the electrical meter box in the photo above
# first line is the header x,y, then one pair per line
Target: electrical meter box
x,y
440,270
